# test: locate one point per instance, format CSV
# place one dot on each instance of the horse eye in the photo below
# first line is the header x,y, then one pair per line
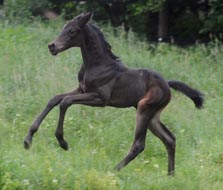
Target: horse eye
x,y
72,32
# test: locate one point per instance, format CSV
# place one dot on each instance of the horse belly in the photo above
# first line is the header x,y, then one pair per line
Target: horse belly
x,y
127,93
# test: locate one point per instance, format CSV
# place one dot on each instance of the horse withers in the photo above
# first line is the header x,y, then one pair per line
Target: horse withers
x,y
105,81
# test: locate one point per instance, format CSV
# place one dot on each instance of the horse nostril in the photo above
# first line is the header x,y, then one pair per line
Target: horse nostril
x,y
52,47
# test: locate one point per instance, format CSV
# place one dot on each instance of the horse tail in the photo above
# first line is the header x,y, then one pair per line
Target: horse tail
x,y
196,96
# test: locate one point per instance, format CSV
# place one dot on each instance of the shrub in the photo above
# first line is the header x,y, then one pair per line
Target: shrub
x,y
23,10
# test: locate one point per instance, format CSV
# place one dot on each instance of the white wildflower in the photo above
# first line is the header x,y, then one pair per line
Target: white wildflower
x,y
26,182
54,180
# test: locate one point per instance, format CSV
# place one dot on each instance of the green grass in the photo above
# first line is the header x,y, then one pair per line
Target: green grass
x,y
100,137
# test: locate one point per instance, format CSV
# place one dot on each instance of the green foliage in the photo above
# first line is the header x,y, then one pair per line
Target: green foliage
x,y
72,9
23,10
38,6
93,180
8,183
17,9
138,18
99,137
186,26
194,20
144,6
214,21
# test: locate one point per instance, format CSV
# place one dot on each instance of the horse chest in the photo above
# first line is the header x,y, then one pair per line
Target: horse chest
x,y
86,79
91,82
95,78
87,84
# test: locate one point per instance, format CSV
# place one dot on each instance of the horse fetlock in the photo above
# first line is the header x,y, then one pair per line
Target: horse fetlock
x,y
33,129
137,149
63,144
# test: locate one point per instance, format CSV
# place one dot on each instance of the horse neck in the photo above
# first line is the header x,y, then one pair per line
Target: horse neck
x,y
93,50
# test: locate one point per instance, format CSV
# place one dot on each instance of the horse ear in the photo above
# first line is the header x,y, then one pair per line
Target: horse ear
x,y
84,19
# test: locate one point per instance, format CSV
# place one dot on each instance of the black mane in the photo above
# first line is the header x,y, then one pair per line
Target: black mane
x,y
106,46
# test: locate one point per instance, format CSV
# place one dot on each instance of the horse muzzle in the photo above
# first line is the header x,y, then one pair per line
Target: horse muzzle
x,y
53,49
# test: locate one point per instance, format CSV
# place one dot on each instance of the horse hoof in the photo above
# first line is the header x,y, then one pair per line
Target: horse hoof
x,y
64,145
27,143
119,166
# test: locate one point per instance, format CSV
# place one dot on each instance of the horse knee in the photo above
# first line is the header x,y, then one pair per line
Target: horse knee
x,y
54,101
64,104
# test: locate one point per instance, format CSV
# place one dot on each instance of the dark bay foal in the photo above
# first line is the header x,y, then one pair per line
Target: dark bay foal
x,y
105,81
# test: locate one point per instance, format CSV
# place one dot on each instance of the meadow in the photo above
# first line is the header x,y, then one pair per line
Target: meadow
x,y
100,137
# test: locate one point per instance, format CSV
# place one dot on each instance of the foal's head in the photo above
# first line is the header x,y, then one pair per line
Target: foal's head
x,y
71,35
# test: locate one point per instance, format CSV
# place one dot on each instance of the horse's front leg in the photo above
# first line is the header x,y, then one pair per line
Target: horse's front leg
x,y
90,99
51,104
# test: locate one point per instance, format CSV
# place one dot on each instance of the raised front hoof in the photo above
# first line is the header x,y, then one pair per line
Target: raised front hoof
x,y
27,143
64,145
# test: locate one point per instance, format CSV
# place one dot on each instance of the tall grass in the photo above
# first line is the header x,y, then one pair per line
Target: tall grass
x,y
100,137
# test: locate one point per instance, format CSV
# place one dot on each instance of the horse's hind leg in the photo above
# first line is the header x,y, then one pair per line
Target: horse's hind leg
x,y
159,130
147,108
51,104
139,140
